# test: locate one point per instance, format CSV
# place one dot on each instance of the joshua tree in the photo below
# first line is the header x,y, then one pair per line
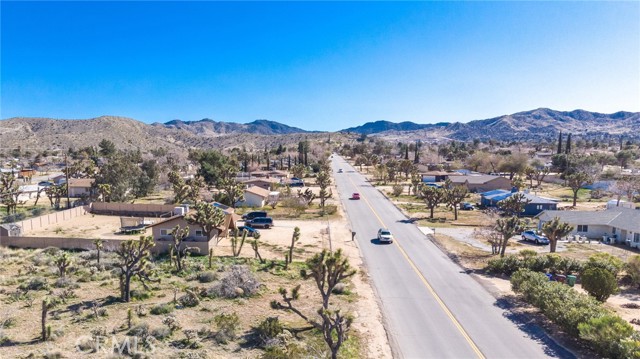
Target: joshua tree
x,y
294,238
328,269
507,227
454,195
554,230
99,243
255,244
208,217
178,251
63,262
432,196
236,247
134,262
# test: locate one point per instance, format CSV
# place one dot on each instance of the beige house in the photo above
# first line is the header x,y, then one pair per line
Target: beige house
x,y
255,196
481,183
162,232
79,187
264,183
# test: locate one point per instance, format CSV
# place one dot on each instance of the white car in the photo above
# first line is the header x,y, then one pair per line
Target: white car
x,y
385,236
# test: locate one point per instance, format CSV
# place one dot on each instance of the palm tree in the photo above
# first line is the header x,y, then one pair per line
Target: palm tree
x,y
554,230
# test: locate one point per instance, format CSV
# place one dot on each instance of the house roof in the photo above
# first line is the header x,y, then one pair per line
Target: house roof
x,y
501,194
262,180
81,182
440,173
166,220
625,218
479,179
258,191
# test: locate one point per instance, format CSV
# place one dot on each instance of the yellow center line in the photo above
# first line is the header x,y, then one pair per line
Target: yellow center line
x,y
426,283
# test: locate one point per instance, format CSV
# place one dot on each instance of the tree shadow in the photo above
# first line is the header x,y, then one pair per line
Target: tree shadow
x,y
527,324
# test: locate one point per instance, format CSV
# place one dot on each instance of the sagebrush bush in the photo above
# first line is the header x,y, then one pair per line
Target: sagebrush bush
x,y
207,277
35,283
269,329
140,330
162,309
227,325
161,333
190,299
548,263
237,283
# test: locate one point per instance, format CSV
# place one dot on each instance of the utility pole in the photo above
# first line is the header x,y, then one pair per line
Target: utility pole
x,y
66,170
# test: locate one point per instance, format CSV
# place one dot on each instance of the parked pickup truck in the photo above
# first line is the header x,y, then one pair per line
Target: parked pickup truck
x,y
532,236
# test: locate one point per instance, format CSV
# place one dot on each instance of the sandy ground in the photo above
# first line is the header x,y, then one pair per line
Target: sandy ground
x,y
315,235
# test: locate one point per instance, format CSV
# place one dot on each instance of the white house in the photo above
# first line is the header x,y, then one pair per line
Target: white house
x,y
621,223
255,196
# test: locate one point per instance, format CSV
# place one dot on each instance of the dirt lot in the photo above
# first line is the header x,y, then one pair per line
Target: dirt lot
x,y
73,319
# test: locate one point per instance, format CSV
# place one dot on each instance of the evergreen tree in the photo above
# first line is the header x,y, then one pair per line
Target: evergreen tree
x,y
568,148
560,143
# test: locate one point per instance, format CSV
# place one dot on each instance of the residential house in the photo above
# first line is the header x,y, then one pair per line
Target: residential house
x,y
80,187
162,231
437,176
255,196
264,183
481,183
535,206
622,224
270,174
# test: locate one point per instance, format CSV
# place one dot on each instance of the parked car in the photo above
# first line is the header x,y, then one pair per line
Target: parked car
x,y
260,222
254,214
296,182
340,170
45,184
355,195
252,232
466,206
532,236
384,236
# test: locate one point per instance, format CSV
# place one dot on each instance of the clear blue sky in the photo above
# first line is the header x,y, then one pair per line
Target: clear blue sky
x,y
319,66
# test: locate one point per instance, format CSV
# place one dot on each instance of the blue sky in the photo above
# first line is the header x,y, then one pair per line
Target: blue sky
x,y
317,65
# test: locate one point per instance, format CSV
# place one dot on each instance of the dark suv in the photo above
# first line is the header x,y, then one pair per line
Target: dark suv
x,y
260,222
254,214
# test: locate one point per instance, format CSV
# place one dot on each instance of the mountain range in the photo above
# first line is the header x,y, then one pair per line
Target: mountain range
x,y
40,133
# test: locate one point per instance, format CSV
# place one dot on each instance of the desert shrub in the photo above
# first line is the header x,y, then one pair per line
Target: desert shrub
x,y
330,208
37,211
140,294
227,325
207,277
140,330
269,329
53,355
162,309
52,251
171,322
14,217
190,299
506,265
161,333
340,288
606,335
599,282
397,190
633,270
35,283
65,282
41,259
560,303
605,261
238,282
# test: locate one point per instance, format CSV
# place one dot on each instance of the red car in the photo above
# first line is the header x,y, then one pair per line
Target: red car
x,y
355,196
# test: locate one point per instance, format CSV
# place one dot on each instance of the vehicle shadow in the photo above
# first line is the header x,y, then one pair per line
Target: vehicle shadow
x,y
528,325
377,242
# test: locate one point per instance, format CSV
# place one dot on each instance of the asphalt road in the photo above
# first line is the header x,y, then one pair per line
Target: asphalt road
x,y
431,307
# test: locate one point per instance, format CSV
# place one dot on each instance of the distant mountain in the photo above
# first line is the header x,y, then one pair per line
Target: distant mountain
x,y
382,126
45,133
528,125
209,127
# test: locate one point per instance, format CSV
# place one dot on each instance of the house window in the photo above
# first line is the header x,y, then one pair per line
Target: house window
x,y
636,237
199,233
539,207
583,228
614,230
166,232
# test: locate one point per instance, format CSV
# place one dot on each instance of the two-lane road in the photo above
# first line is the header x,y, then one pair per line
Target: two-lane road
x,y
432,308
